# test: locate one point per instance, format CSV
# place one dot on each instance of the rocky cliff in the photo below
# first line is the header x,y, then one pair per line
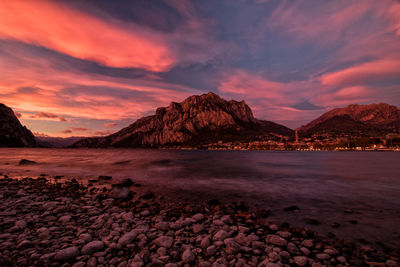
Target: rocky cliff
x,y
12,133
373,118
196,120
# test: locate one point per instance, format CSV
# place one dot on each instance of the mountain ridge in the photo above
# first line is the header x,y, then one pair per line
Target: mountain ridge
x,y
196,120
12,133
378,118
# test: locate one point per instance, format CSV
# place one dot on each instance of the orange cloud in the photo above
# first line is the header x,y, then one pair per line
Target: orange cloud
x,y
110,125
56,26
370,71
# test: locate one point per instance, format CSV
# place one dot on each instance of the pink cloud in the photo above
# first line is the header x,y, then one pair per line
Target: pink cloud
x,y
370,71
81,35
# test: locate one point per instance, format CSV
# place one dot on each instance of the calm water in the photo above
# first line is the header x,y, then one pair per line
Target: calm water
x,y
322,184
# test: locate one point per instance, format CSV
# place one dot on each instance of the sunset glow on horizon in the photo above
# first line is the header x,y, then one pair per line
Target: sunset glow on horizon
x,y
85,68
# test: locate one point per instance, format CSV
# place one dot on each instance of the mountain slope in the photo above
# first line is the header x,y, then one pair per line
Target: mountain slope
x,y
366,119
12,133
196,120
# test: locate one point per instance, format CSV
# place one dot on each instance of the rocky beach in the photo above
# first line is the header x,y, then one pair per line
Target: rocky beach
x,y
45,222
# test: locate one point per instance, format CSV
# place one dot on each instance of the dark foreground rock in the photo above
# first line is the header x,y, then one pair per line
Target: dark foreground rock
x,y
66,224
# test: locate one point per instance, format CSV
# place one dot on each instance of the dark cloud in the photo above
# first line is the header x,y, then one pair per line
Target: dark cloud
x,y
80,129
305,105
47,115
67,131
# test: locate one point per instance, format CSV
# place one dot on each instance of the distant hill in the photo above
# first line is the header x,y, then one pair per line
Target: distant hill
x,y
57,142
199,119
12,133
356,120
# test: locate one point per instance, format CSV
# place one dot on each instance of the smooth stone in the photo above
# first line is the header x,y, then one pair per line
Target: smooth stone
x,y
92,247
300,260
67,254
127,238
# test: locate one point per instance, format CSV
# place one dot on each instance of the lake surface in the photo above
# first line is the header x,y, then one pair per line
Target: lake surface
x,y
322,184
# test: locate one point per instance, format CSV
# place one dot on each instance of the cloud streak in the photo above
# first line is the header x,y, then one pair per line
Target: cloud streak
x,y
64,29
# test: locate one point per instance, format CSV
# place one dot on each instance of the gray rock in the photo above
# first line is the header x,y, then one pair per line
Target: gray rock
x,y
92,247
92,262
163,226
120,193
86,237
221,235
308,243
211,250
300,260
65,219
67,254
25,244
164,241
205,242
127,238
198,217
21,224
322,256
197,228
188,256
276,240
79,264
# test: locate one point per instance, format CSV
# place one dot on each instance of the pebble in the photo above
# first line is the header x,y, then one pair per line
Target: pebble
x,y
67,254
127,238
144,232
276,240
92,247
221,235
164,241
188,256
300,260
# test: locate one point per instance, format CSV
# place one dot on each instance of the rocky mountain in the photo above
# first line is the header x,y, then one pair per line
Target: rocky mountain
x,y
356,119
12,133
199,119
57,142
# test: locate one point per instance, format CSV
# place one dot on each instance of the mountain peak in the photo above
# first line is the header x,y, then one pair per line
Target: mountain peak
x,y
197,119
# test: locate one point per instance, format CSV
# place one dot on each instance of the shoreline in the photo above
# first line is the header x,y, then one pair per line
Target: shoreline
x,y
71,224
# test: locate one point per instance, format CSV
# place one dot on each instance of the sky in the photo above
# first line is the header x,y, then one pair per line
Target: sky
x,y
89,68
